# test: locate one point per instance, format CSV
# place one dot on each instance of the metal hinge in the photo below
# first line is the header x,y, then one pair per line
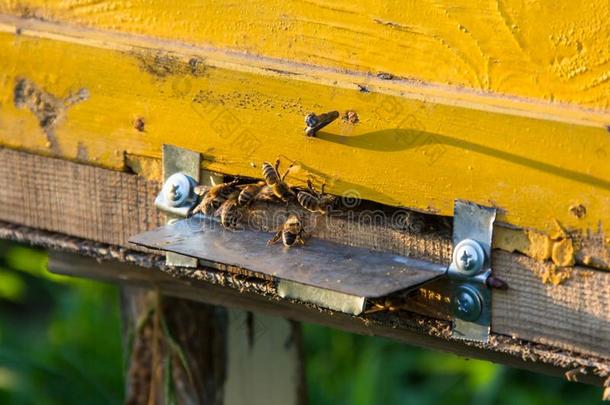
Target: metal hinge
x,y
328,274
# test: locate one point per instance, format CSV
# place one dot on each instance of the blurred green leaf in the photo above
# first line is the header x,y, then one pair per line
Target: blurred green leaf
x,y
12,286
60,344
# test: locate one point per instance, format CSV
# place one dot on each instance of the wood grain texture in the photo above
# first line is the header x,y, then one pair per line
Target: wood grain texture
x,y
574,314
176,349
542,50
414,145
211,286
582,300
85,201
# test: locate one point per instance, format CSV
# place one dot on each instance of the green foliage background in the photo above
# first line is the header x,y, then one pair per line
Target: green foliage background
x,y
60,344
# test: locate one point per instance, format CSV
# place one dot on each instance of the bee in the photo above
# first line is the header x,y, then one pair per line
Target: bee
x,y
275,182
315,202
249,193
266,194
202,190
387,304
230,212
291,232
214,196
315,122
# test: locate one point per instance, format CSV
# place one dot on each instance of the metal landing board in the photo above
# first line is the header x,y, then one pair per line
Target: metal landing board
x,y
321,264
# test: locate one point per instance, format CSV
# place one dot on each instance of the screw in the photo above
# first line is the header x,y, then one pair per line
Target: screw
x,y
468,257
175,193
467,303
177,189
311,120
496,283
315,122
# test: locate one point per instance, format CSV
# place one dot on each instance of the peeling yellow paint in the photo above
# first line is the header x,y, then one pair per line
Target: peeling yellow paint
x,y
555,275
527,242
558,232
411,147
511,240
540,246
150,168
563,253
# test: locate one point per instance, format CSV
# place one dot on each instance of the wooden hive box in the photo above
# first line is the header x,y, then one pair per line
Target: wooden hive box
x,y
479,102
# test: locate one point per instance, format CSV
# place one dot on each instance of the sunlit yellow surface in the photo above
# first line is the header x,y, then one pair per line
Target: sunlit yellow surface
x,y
403,151
543,49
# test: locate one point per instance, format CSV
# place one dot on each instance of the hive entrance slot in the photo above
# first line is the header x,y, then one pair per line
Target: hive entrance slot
x,y
334,269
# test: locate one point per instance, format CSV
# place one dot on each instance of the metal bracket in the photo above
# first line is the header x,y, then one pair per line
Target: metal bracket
x,y
469,270
330,275
181,168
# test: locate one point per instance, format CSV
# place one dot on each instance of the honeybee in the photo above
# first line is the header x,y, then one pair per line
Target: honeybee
x,y
291,232
314,201
315,122
387,304
230,213
214,196
249,193
201,190
275,182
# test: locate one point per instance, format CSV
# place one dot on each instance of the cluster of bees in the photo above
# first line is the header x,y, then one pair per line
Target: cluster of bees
x,y
229,200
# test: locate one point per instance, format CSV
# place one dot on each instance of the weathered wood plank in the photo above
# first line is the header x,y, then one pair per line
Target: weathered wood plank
x,y
231,356
583,300
416,146
177,349
217,288
85,201
495,45
574,314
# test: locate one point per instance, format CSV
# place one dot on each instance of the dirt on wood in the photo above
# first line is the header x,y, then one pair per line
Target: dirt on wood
x,y
46,107
388,324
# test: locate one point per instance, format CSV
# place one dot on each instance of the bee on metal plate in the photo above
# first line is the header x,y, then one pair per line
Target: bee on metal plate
x,y
315,202
230,212
276,182
249,193
214,196
291,232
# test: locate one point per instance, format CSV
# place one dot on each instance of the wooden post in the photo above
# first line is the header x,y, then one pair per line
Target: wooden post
x,y
176,349
189,352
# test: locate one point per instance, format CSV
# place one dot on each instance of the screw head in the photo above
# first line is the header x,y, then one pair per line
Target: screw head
x,y
175,193
177,189
311,120
467,304
468,257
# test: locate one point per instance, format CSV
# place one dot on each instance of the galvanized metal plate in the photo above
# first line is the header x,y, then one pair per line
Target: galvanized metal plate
x,y
472,221
179,160
331,266
351,304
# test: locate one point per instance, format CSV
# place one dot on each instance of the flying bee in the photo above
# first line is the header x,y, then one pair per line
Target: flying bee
x,y
315,202
214,197
276,182
230,213
291,232
249,193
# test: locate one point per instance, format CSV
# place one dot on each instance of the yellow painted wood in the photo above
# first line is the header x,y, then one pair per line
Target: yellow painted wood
x,y
410,151
544,49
